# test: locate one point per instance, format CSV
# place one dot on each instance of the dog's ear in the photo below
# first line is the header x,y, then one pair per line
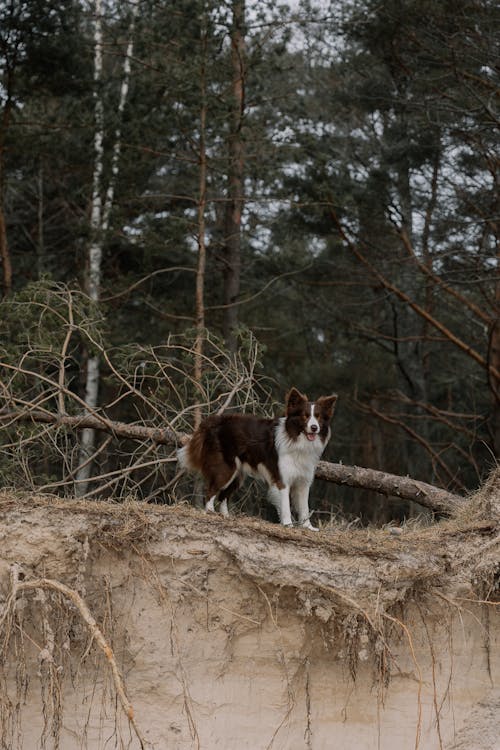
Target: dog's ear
x,y
327,405
294,400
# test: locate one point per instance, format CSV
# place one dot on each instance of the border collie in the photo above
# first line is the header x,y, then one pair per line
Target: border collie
x,y
284,452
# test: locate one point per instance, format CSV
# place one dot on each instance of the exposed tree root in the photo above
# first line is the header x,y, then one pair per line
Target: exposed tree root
x,y
18,586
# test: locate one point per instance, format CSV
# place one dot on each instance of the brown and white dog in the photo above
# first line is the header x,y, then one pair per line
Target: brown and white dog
x,y
283,451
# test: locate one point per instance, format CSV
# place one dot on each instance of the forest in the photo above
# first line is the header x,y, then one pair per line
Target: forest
x,y
205,203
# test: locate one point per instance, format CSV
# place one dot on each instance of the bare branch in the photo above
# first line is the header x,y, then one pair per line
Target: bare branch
x,y
427,495
477,311
462,345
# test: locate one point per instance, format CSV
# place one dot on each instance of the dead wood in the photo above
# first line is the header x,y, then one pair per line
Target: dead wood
x,y
434,498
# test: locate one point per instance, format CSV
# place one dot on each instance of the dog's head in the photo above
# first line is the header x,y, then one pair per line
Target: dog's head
x,y
309,417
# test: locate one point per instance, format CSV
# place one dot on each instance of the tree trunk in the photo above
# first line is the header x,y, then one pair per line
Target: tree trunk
x,y
494,360
202,251
99,224
235,192
494,339
40,244
4,245
4,252
87,442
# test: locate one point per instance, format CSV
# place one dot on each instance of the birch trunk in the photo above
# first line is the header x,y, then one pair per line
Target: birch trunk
x,y
99,224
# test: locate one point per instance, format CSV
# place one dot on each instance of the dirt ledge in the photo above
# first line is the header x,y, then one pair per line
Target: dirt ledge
x,y
235,632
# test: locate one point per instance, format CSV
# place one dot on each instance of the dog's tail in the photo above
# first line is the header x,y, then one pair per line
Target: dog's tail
x,y
183,453
183,458
190,456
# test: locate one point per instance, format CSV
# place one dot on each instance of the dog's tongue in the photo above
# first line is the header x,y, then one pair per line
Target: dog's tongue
x,y
311,435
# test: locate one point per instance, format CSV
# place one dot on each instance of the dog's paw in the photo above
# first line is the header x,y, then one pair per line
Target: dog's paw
x,y
308,525
210,506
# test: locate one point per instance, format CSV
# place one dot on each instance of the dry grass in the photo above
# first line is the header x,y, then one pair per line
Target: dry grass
x,y
120,523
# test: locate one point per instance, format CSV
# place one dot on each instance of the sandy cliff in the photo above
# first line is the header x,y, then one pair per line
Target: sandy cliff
x,y
234,633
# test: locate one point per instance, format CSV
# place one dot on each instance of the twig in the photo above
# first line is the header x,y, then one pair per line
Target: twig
x,y
64,350
230,395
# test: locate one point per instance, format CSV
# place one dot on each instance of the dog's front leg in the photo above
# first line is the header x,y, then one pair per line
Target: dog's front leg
x,y
300,500
280,498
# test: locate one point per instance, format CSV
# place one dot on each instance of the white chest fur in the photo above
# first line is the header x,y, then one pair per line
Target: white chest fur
x,y
298,458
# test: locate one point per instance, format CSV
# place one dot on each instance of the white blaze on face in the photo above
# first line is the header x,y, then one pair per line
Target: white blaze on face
x,y
312,426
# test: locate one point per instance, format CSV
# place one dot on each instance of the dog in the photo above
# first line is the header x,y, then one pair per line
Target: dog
x,y
284,452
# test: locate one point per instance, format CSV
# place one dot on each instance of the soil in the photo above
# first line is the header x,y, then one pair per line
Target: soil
x,y
124,625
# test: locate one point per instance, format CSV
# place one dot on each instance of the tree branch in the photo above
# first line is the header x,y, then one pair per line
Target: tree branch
x,y
387,284
431,497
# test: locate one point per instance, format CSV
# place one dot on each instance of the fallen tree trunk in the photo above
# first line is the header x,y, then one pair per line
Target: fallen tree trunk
x,y
431,497
434,498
